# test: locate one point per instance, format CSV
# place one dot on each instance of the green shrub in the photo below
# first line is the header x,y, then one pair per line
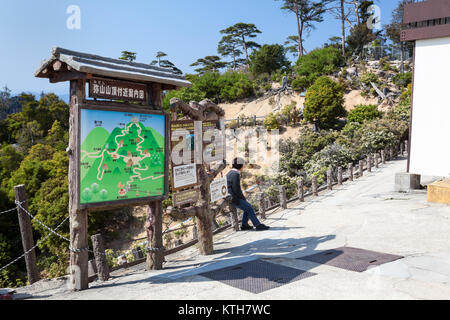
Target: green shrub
x,y
379,134
227,87
271,122
363,113
294,154
333,156
268,59
369,77
402,80
350,129
317,63
324,102
234,86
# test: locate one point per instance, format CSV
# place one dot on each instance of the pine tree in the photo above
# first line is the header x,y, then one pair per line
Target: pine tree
x,y
240,33
229,46
307,13
128,56
209,64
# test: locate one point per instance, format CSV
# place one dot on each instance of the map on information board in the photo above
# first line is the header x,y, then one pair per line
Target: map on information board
x,y
122,156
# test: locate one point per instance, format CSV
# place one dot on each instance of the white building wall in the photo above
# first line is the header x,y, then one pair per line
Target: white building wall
x,y
430,140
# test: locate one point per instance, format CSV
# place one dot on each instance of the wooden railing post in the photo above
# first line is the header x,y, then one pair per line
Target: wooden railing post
x,y
391,154
26,233
407,147
377,160
369,163
283,199
314,186
137,253
100,257
350,172
340,176
301,190
402,150
234,217
361,169
383,157
329,179
195,232
155,249
262,205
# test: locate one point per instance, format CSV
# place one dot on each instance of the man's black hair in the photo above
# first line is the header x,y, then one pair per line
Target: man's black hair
x,y
238,163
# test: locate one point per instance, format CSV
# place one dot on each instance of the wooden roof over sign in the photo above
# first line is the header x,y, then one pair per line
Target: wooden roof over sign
x,y
65,65
426,20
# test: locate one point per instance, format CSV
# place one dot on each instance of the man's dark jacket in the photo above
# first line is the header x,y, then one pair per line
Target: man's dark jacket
x,y
234,187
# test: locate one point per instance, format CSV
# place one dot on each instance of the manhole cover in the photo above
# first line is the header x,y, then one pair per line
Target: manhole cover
x,y
257,276
352,259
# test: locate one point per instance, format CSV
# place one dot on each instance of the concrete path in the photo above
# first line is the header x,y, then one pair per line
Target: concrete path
x,y
364,214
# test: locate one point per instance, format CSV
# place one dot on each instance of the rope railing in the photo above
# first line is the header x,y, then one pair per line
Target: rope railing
x,y
13,209
37,244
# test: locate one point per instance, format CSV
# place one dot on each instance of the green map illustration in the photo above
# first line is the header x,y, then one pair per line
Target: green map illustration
x,y
122,156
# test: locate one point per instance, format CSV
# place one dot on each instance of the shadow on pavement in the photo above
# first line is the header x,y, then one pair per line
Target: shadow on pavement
x,y
266,248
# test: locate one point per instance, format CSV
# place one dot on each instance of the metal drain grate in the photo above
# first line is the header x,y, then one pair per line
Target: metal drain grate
x,y
352,259
257,276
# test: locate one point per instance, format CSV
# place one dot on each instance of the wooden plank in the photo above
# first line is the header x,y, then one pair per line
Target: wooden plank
x,y
117,90
78,218
63,76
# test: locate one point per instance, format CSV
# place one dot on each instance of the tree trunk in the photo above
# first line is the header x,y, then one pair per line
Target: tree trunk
x,y
300,31
246,52
356,4
205,234
343,26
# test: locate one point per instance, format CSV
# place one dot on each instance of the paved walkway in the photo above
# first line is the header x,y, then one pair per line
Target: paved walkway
x,y
364,214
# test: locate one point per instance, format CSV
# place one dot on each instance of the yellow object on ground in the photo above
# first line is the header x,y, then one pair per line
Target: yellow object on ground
x,y
439,192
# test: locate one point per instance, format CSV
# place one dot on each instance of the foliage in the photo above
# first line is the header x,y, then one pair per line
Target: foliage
x,y
40,163
235,86
271,122
369,77
217,87
324,102
128,56
209,64
360,35
362,113
296,153
333,156
164,63
229,46
240,33
402,80
307,12
317,63
268,59
379,134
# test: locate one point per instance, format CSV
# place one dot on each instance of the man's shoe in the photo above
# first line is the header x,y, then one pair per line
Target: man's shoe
x,y
246,228
262,227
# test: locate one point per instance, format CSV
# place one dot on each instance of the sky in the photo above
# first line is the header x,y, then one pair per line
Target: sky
x,y
184,29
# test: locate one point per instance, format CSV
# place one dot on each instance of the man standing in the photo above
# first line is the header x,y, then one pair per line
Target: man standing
x,y
238,198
